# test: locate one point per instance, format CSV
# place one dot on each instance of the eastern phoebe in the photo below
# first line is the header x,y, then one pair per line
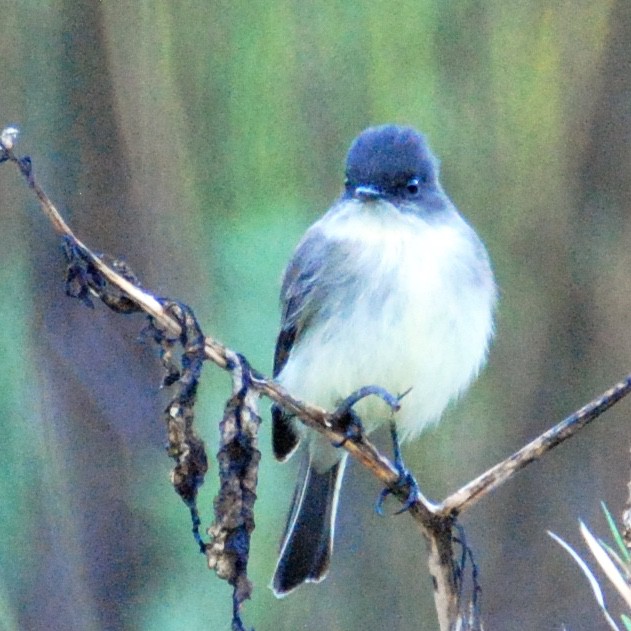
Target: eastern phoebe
x,y
390,287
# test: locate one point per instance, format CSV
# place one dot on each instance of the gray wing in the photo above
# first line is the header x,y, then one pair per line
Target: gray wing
x,y
310,278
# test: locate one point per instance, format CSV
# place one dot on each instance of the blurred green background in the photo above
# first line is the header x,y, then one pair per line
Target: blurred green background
x,y
197,140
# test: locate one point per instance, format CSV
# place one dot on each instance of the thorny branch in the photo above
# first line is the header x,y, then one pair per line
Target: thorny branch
x,y
90,275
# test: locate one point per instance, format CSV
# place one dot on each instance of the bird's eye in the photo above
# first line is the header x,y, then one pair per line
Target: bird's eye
x,y
412,186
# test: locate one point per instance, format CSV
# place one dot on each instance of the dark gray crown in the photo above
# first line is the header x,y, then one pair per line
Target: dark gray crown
x,y
388,156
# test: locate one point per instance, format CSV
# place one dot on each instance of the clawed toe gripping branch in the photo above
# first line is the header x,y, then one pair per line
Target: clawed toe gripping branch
x,y
174,328
406,484
345,420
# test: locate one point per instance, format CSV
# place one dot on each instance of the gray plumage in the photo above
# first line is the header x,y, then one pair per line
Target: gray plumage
x,y
390,287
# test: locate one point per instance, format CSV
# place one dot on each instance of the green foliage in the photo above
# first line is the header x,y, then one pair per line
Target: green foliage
x,y
617,570
623,551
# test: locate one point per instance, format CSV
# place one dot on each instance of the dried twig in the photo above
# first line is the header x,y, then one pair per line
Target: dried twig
x,y
497,475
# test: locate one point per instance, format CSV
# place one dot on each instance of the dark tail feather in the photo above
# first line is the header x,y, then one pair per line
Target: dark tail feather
x,y
307,544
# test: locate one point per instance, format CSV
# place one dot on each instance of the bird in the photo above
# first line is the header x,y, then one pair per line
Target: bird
x,y
391,286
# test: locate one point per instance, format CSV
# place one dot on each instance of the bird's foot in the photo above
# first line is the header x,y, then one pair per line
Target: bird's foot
x,y
405,482
346,420
350,425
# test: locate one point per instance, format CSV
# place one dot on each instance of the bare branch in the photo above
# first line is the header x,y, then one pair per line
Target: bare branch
x,y
476,489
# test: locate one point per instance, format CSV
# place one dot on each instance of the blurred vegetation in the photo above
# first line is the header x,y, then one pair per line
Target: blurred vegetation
x,y
198,140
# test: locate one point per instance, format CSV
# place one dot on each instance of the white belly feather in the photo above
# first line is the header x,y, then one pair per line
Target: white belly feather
x,y
423,319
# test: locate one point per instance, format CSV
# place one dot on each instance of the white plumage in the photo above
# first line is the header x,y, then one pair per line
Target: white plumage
x,y
424,320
